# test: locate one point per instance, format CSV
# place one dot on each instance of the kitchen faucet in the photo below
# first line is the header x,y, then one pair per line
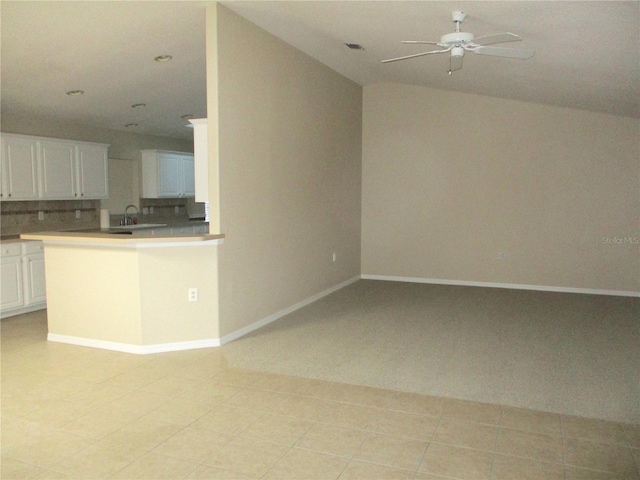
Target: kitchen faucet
x,y
127,220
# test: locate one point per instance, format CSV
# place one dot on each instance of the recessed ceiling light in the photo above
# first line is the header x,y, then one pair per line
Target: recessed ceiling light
x,y
130,125
75,93
138,105
354,46
163,58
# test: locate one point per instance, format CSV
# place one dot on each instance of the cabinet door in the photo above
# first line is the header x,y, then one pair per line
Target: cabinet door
x,y
19,168
93,181
34,279
188,177
11,283
169,175
201,158
58,169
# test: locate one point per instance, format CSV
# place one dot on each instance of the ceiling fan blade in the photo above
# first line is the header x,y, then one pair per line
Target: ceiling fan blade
x,y
505,52
414,55
497,38
455,63
421,42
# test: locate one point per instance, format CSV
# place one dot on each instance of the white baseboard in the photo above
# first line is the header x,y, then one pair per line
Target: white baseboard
x,y
130,348
272,318
515,286
190,345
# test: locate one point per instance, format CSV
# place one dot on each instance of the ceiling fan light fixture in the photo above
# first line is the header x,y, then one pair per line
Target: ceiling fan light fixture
x,y
457,51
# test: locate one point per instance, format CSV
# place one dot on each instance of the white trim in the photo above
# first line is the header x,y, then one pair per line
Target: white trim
x,y
136,349
272,318
515,286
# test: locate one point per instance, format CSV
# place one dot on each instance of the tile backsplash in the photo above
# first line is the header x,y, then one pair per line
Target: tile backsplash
x,y
165,210
41,216
158,210
45,215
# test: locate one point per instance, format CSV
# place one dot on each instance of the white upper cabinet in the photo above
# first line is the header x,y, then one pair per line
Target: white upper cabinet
x,y
46,168
167,174
93,171
19,168
58,169
201,159
188,176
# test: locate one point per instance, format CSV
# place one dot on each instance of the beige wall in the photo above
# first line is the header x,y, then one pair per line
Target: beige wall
x,y
124,185
132,296
93,293
452,180
290,163
166,275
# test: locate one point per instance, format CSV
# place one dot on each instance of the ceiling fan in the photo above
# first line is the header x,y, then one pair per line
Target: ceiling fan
x,y
457,42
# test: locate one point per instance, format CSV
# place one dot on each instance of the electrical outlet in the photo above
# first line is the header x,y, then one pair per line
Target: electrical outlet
x,y
40,215
501,256
193,294
78,213
334,257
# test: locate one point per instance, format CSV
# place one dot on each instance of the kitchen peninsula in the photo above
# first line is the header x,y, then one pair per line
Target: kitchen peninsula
x,y
132,292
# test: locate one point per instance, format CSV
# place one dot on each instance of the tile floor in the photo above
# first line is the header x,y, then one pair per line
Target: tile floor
x,y
74,412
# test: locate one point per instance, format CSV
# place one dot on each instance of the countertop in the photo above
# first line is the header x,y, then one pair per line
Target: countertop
x,y
10,238
112,229
99,237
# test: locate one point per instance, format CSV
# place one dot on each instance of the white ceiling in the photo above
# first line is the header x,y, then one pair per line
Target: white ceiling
x,y
106,49
587,53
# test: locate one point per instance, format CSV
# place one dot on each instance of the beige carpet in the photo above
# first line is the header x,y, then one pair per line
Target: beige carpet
x,y
565,353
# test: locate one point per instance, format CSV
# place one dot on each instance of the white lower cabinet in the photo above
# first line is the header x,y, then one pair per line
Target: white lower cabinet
x,y
23,278
33,269
12,292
